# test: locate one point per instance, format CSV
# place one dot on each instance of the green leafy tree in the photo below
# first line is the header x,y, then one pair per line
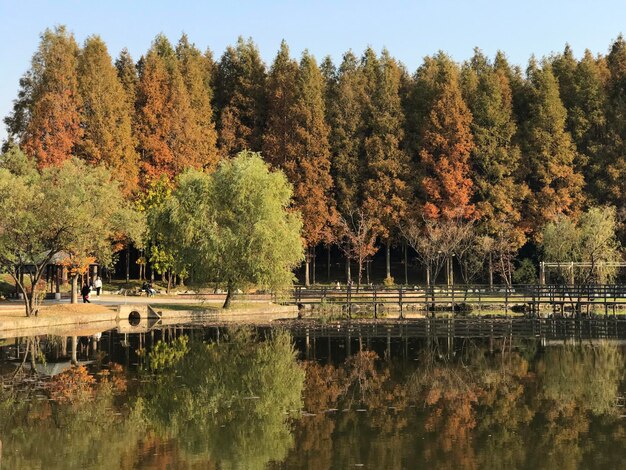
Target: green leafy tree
x,y
591,239
387,189
235,225
612,168
583,90
240,81
216,399
345,97
73,210
127,74
549,153
495,157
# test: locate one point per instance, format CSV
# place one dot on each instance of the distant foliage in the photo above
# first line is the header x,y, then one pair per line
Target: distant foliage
x,y
481,141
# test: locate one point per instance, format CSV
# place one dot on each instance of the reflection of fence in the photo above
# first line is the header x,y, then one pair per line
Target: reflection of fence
x,y
484,327
531,297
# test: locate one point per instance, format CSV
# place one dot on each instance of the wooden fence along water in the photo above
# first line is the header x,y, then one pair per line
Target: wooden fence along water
x,y
531,299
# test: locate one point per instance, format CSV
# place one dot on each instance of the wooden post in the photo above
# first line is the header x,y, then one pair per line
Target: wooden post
x,y
406,264
388,350
308,345
506,299
401,306
375,304
542,273
349,296
328,263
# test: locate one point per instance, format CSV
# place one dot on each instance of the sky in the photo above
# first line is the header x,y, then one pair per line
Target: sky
x,y
410,30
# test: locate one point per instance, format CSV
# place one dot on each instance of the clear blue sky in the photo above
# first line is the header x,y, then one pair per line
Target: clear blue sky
x,y
409,29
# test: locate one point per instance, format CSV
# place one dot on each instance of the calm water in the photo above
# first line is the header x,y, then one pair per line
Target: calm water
x,y
333,396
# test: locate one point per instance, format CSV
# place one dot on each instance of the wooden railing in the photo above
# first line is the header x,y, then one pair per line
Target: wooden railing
x,y
432,297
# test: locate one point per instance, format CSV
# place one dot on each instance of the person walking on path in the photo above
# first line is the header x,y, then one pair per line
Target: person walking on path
x,y
85,293
98,286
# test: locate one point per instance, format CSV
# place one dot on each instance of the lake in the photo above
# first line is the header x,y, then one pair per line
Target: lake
x,y
465,393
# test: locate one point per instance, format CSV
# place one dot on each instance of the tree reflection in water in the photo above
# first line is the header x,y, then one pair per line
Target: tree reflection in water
x,y
228,402
247,402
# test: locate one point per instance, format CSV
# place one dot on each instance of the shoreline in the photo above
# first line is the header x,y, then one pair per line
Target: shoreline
x,y
68,320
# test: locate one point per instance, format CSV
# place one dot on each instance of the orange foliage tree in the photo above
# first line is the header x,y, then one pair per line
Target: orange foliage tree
x,y
446,145
46,116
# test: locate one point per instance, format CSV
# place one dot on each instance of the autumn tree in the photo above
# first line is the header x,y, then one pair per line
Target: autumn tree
x,y
357,239
499,193
446,141
196,69
548,152
387,172
296,141
106,115
46,116
170,135
240,98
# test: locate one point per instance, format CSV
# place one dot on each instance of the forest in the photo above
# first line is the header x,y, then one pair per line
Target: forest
x,y
475,160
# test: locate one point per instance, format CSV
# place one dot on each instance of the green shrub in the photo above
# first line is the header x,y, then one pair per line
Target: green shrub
x,y
525,273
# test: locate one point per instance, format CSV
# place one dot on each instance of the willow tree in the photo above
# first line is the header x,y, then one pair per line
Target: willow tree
x,y
46,116
235,226
591,239
71,209
106,115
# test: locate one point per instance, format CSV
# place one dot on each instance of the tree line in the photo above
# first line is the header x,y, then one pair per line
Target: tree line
x,y
376,154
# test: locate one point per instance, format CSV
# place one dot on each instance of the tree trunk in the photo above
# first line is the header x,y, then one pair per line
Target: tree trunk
x,y
358,285
307,258
388,257
428,274
229,295
348,273
313,267
406,265
74,348
169,280
490,272
127,263
74,296
328,264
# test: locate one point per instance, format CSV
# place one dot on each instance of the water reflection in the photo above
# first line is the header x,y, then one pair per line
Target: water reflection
x,y
240,398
